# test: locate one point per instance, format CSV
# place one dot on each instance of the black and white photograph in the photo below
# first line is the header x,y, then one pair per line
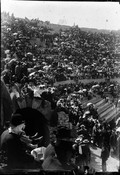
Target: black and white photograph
x,y
60,87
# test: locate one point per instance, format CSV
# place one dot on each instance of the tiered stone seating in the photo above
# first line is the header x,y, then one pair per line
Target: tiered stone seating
x,y
104,108
107,111
112,114
101,106
95,100
113,117
100,103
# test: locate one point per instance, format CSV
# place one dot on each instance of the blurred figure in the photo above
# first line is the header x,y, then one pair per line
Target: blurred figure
x,y
15,149
58,154
86,170
6,106
93,110
104,156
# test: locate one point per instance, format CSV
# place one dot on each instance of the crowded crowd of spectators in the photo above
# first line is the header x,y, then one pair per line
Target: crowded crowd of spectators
x,y
30,49
34,58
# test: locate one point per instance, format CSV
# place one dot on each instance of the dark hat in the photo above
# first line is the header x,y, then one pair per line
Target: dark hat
x,y
17,119
64,133
86,168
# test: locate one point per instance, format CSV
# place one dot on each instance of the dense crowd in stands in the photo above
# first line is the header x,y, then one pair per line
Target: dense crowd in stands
x,y
30,69
29,47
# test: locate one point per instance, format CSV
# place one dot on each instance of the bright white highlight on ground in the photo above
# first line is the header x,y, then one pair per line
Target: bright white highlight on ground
x,y
100,15
112,163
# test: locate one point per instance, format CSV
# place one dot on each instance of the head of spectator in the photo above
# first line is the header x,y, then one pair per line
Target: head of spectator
x,y
82,127
29,94
17,123
42,106
86,114
90,106
86,170
59,154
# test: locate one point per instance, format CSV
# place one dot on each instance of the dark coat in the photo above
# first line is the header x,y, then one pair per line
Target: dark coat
x,y
52,162
6,105
104,154
15,150
35,122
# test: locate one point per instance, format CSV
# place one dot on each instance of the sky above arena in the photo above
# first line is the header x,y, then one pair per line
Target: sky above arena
x,y
100,15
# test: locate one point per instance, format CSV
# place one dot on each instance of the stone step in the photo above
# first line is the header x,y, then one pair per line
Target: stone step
x,y
114,112
114,117
100,103
106,112
109,114
94,101
105,107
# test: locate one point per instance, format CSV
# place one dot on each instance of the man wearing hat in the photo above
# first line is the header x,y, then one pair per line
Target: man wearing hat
x,y
93,111
57,155
14,148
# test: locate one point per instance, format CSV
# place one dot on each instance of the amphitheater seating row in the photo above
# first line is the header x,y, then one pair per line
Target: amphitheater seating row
x,y
107,111
114,117
104,108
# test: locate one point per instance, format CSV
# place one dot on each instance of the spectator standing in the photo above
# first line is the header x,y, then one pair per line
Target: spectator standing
x,y
104,156
57,155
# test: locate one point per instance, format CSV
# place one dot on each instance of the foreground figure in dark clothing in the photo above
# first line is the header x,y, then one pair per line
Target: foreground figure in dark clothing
x,y
6,106
15,149
58,155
